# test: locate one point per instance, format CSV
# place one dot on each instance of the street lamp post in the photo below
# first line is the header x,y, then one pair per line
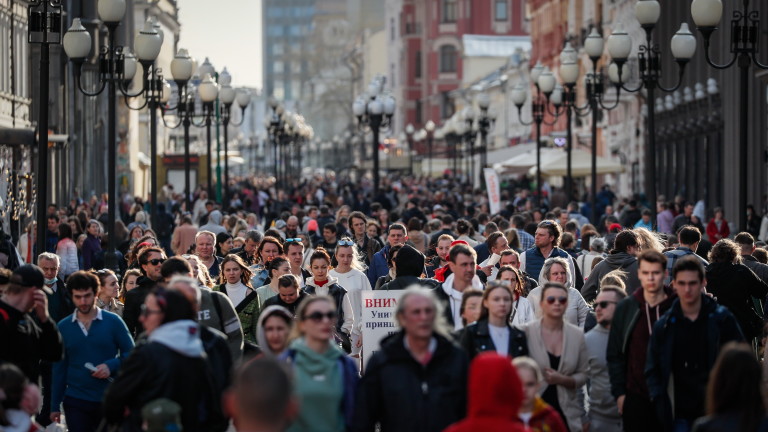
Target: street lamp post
x,y
409,131
430,128
44,18
228,95
114,71
544,82
744,47
375,110
683,46
484,123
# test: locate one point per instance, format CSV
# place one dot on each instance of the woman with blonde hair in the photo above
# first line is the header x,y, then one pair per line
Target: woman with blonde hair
x,y
560,350
109,294
557,270
325,378
648,240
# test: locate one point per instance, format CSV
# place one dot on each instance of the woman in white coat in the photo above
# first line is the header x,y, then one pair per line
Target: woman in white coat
x,y
557,270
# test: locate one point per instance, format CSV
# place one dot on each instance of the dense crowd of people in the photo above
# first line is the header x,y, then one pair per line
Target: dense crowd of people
x,y
250,316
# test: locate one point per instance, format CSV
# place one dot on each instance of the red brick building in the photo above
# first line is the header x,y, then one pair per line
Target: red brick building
x,y
430,62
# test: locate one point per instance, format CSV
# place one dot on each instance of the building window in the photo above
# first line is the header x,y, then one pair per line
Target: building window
x,y
419,115
392,29
417,65
447,108
449,11
448,58
500,10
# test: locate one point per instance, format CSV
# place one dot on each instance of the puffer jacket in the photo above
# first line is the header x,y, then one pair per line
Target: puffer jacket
x,y
495,396
406,396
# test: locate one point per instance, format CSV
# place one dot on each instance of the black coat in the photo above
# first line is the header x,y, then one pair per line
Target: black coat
x,y
476,338
154,371
403,282
403,395
734,286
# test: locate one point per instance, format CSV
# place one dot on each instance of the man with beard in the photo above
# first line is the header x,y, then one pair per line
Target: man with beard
x,y
603,413
95,344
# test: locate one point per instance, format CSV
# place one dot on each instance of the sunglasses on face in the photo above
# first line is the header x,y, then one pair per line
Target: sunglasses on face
x,y
156,261
604,304
318,316
293,240
553,299
346,243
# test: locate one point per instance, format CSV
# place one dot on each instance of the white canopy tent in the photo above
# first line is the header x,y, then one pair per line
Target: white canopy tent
x,y
581,164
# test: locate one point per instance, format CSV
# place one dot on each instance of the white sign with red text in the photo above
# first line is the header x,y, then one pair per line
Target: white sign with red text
x,y
494,193
378,319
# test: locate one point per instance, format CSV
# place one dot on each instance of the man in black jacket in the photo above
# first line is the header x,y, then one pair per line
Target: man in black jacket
x,y
26,339
417,381
150,260
685,343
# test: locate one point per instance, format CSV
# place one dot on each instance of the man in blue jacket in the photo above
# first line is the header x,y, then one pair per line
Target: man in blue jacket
x,y
396,235
95,344
685,343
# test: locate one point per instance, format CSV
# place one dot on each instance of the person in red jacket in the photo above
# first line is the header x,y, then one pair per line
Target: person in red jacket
x,y
493,398
717,228
535,414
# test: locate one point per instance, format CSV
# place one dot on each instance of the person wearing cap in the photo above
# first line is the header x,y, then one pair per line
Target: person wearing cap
x,y
27,333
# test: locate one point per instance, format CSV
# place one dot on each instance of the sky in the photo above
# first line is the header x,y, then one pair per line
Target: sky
x,y
228,32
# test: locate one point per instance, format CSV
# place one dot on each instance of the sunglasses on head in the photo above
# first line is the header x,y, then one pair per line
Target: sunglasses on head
x,y
318,316
346,243
604,304
156,261
293,240
561,299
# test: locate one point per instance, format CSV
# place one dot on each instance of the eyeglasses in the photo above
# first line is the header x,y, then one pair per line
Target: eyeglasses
x,y
145,311
346,243
156,261
318,316
293,240
604,304
561,300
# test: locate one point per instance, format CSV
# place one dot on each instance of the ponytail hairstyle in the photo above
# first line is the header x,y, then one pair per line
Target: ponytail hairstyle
x,y
275,264
320,253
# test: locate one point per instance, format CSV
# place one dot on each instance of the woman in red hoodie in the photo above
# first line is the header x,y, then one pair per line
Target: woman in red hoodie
x,y
536,415
494,396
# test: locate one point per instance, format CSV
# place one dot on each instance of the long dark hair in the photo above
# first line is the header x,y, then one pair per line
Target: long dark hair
x,y
736,386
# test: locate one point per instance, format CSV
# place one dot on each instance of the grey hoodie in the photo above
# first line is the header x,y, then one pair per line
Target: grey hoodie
x,y
261,338
182,336
214,223
622,260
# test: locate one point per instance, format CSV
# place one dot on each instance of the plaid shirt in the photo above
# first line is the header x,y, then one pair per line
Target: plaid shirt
x,y
674,255
526,240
